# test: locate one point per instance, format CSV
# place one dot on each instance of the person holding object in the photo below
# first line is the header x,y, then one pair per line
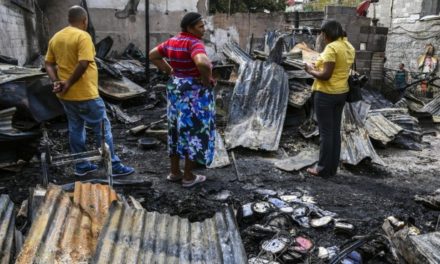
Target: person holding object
x,y
330,88
70,64
191,108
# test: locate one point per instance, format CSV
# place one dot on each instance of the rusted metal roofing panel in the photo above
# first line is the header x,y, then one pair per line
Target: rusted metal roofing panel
x,y
7,230
356,144
381,129
95,200
137,236
66,231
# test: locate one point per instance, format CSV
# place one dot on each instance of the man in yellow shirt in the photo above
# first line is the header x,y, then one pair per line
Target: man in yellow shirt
x,y
331,72
70,63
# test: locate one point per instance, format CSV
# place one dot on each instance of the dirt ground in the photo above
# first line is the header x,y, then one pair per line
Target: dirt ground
x,y
364,195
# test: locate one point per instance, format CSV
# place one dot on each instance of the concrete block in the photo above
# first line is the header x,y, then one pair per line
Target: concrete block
x,y
334,10
374,30
363,64
364,55
363,37
377,43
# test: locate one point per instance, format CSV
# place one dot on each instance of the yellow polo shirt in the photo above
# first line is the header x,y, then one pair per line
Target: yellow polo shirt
x,y
66,48
342,53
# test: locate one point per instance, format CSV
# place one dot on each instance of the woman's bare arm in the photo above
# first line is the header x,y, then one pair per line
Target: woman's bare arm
x,y
323,75
160,62
203,64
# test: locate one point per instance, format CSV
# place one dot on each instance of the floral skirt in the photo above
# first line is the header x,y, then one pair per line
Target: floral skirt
x,y
191,120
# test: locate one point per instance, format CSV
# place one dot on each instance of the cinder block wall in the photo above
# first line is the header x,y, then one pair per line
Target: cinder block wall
x,y
18,38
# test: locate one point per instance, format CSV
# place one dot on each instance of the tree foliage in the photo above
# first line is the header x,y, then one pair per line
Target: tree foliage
x,y
319,5
244,6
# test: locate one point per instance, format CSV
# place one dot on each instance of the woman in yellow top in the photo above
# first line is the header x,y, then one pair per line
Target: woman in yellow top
x,y
331,72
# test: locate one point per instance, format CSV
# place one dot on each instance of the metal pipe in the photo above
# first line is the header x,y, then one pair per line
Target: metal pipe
x,y
296,19
147,40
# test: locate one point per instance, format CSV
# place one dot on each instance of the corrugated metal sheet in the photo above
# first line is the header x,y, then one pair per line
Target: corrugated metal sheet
x,y
221,157
7,230
95,200
120,89
375,99
33,97
235,53
11,73
299,74
381,129
362,108
427,245
377,65
7,132
138,236
66,231
258,107
411,136
300,93
433,108
305,158
356,144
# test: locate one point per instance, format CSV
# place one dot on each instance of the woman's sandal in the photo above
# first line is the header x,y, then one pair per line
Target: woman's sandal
x,y
197,180
173,178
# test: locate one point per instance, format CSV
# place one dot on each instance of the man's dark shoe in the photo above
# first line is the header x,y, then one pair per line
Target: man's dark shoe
x,y
86,170
121,170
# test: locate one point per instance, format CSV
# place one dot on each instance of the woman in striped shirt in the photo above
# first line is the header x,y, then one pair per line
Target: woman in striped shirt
x,y
191,109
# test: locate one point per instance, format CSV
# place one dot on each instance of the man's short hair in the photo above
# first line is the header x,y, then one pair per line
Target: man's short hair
x,y
77,14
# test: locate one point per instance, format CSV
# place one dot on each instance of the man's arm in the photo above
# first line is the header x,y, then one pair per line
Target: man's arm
x,y
80,69
51,69
64,86
203,64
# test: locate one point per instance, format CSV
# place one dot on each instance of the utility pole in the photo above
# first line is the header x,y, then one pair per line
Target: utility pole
x,y
147,40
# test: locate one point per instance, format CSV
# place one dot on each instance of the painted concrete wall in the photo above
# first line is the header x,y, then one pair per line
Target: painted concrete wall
x,y
408,35
240,27
164,19
382,10
17,32
155,5
164,22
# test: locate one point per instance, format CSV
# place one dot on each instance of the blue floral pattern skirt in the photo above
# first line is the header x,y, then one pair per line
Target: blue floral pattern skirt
x,y
191,120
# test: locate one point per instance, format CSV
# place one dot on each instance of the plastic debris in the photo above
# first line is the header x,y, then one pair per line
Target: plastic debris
x,y
321,222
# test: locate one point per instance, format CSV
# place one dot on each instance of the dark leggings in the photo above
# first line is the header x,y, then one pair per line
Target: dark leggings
x,y
328,108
